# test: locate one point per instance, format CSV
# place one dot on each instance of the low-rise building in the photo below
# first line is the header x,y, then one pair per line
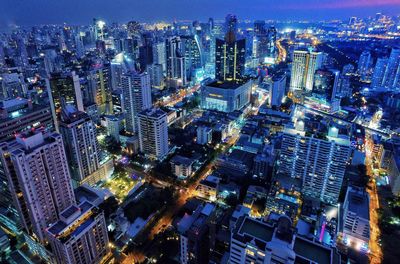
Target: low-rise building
x,y
182,166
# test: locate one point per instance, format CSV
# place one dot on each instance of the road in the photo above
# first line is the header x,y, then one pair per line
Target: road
x,y
179,96
375,255
281,51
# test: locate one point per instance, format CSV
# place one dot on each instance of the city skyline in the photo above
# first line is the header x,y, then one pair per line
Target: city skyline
x,y
28,13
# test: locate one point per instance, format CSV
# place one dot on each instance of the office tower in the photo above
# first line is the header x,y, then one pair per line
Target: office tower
x,y
153,133
19,115
80,140
379,72
356,226
194,233
304,65
275,241
176,71
39,180
136,92
99,29
230,53
159,55
391,78
319,162
64,88
225,96
326,84
120,65
364,65
156,76
99,87
276,85
80,236
193,54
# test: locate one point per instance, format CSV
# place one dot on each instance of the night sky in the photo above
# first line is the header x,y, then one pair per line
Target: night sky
x,y
32,12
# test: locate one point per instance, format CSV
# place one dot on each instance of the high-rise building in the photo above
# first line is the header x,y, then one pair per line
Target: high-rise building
x,y
379,72
304,65
193,54
176,71
81,145
99,87
195,235
391,78
356,225
364,65
37,172
204,135
276,241
230,53
19,115
80,236
319,162
159,55
64,88
276,86
136,90
156,76
153,133
326,84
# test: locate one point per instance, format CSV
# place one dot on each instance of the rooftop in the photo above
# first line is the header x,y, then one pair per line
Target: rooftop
x,y
225,84
358,202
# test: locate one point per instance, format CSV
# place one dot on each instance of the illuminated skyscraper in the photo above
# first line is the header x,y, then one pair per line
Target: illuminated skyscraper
x,y
379,73
326,84
64,88
230,53
80,236
391,78
176,71
82,148
39,179
319,162
304,65
153,133
364,65
136,91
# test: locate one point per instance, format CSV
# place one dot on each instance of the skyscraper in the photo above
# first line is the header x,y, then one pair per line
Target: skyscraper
x,y
136,91
304,65
99,87
364,65
153,133
80,139
176,71
80,236
325,84
39,180
275,241
379,72
193,54
319,162
276,86
230,53
64,88
391,78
